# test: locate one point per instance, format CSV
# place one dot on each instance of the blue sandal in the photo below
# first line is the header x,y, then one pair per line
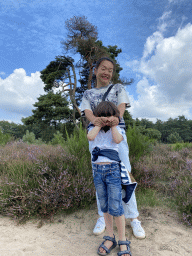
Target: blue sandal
x,y
112,239
128,251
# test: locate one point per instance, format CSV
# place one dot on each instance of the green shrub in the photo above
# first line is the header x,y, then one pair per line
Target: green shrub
x,y
77,144
139,144
169,173
4,138
58,139
174,138
29,137
179,146
40,181
152,134
39,142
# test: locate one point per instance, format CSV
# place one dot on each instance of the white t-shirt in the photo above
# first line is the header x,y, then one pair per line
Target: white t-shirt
x,y
104,140
92,98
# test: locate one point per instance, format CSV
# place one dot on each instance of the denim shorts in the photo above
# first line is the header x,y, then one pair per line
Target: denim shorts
x,y
107,180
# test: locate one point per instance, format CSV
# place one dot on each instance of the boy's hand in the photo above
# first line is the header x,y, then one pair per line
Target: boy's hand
x,y
105,120
113,120
98,121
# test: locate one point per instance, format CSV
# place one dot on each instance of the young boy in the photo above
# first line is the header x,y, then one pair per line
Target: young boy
x,y
103,142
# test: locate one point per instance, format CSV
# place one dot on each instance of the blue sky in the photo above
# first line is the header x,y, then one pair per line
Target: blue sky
x,y
155,38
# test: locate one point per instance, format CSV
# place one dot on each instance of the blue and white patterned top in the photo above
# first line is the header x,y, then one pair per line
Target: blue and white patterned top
x,y
92,98
104,140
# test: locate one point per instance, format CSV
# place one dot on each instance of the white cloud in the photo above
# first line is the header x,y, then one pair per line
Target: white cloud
x,y
175,1
167,62
152,43
19,92
165,21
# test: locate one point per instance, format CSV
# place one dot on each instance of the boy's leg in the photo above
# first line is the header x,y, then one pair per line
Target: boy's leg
x,y
115,208
120,223
109,231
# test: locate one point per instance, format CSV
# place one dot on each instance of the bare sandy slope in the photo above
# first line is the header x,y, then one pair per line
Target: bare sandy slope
x,y
72,236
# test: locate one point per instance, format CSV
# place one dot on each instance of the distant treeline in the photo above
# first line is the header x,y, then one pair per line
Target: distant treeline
x,y
170,131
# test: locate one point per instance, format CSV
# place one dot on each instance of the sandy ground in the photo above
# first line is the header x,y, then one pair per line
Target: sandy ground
x,y
72,235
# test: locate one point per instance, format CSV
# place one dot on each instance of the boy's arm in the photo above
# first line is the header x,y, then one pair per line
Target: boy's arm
x,y
93,119
93,133
117,137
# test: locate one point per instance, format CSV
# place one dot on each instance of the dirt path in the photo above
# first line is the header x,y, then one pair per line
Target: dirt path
x,y
72,236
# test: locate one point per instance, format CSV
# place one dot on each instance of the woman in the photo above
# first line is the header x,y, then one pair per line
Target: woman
x,y
104,70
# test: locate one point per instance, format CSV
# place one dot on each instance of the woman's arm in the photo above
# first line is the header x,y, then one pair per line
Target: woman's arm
x,y
93,133
117,137
121,108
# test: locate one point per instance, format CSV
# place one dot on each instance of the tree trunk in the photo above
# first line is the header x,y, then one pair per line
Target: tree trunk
x,y
90,77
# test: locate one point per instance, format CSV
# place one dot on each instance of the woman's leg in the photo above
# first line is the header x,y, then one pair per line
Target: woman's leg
x,y
100,224
130,209
99,207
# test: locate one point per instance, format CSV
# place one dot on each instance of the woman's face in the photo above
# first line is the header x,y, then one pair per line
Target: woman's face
x,y
104,73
